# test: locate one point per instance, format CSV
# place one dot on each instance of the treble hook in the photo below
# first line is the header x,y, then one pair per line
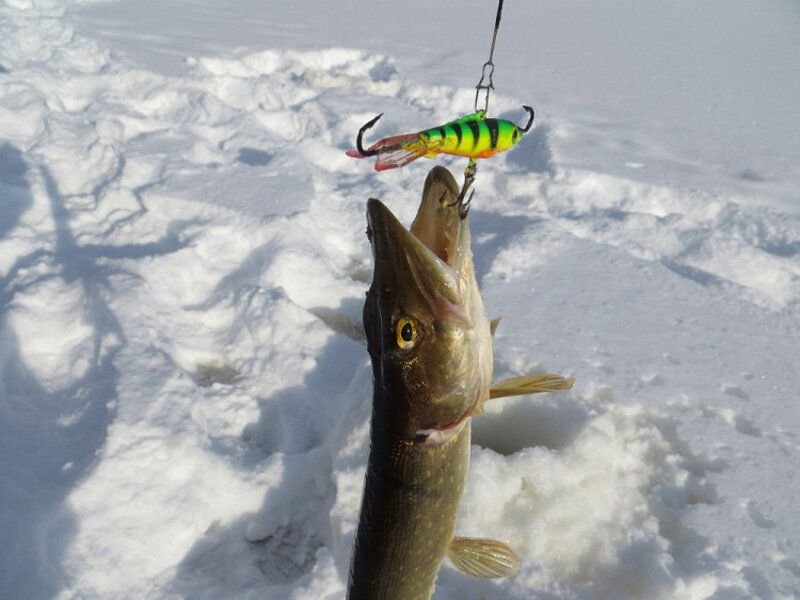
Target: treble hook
x,y
469,179
361,131
530,122
463,210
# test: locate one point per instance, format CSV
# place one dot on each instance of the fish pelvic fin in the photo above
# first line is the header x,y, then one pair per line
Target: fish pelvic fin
x,y
482,557
530,384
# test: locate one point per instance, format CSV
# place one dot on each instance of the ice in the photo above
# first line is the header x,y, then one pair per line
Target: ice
x,y
184,389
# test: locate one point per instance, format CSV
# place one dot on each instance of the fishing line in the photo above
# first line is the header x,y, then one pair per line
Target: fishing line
x,y
489,64
487,71
473,136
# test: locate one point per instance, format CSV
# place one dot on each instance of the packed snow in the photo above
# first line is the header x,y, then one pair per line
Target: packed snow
x,y
185,390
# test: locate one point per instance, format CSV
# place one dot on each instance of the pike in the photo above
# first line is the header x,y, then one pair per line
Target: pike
x,y
430,342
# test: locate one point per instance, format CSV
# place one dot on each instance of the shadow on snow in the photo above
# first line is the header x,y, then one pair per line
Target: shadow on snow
x,y
298,433
50,439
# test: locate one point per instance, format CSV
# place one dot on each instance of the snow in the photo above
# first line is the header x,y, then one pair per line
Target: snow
x,y
185,393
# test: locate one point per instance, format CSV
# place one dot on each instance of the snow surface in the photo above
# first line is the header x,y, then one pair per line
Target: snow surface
x,y
185,393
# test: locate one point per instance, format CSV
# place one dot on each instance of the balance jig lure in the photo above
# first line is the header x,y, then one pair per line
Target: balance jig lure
x,y
473,136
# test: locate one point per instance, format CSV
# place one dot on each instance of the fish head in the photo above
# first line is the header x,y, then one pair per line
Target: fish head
x,y
427,330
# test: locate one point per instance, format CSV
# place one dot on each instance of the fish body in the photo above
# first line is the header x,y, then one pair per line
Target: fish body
x,y
473,136
430,343
408,519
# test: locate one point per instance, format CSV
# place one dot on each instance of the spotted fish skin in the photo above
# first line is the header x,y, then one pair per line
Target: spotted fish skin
x,y
408,518
425,391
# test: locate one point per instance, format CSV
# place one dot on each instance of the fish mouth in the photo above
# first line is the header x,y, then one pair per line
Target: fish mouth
x,y
431,252
424,273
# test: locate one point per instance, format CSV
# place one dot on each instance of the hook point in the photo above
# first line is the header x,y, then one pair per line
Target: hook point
x,y
530,122
361,131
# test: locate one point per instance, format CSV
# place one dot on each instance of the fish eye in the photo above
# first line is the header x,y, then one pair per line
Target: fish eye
x,y
405,333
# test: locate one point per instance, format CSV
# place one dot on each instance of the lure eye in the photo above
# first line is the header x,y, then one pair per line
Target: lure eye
x,y
405,333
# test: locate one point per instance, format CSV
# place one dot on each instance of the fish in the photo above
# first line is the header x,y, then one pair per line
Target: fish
x,y
473,136
430,343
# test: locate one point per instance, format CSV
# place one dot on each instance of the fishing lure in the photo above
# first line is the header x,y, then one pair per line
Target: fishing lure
x,y
473,136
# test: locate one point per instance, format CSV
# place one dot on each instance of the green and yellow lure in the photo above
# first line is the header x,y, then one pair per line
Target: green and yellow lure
x,y
473,136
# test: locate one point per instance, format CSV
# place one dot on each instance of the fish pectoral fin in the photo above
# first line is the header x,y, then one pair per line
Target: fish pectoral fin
x,y
494,323
481,557
530,384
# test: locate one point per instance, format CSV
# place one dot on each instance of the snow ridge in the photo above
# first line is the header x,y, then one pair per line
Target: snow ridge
x,y
185,392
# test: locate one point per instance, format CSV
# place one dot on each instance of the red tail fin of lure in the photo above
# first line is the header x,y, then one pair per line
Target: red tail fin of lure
x,y
394,151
